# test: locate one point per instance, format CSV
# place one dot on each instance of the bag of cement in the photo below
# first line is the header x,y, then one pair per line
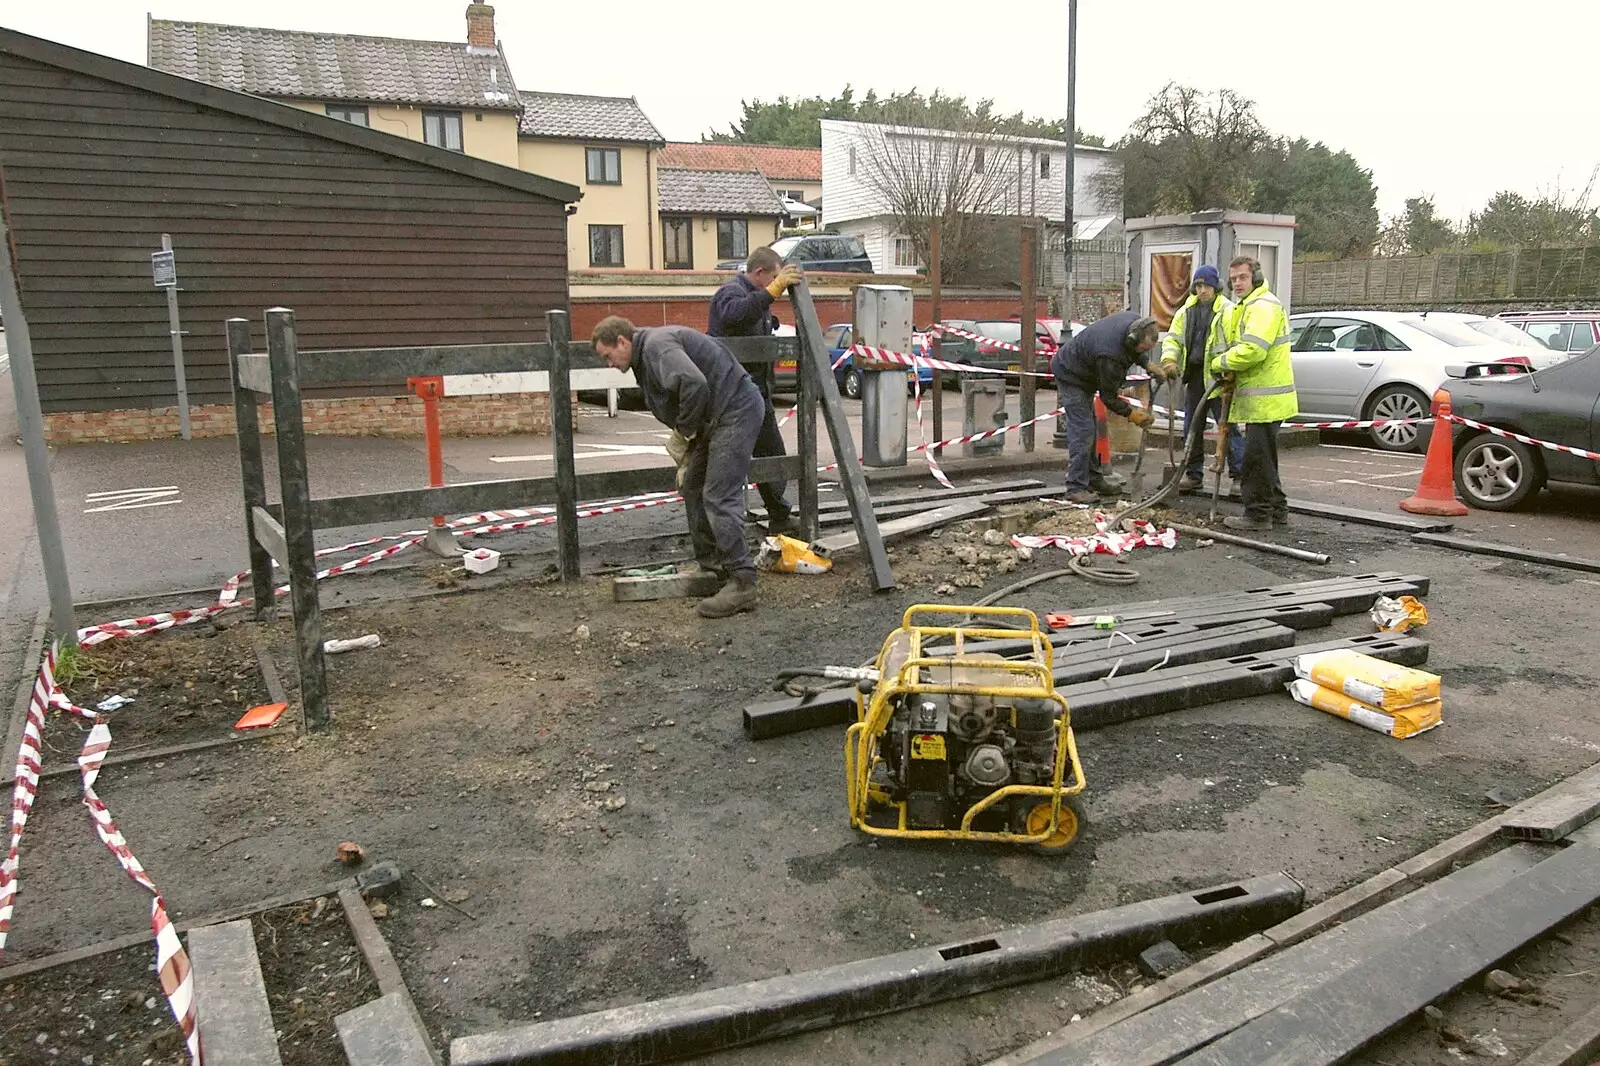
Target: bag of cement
x,y
1398,615
1407,722
1385,686
786,555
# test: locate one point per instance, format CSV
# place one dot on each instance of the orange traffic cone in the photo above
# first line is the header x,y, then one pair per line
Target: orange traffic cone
x,y
1436,492
1102,433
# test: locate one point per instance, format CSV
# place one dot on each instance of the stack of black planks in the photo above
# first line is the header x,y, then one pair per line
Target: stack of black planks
x,y
1169,655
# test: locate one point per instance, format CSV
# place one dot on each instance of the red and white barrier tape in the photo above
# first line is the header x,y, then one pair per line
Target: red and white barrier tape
x,y
1497,431
1106,539
1004,346
172,962
933,460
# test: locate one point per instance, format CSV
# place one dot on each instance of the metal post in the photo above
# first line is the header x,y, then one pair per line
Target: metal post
x,y
252,471
1070,168
177,348
294,484
560,331
1030,312
440,541
30,423
936,347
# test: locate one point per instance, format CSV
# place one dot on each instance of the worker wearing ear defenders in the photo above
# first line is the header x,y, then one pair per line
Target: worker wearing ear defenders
x,y
1257,359
1098,360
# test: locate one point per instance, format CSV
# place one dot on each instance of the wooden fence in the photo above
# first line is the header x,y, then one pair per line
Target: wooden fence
x,y
1529,275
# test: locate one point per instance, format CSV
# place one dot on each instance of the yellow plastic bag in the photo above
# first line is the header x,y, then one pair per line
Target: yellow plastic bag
x,y
1407,722
1392,615
785,555
1384,686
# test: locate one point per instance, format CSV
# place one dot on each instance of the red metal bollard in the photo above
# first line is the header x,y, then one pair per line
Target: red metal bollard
x,y
440,540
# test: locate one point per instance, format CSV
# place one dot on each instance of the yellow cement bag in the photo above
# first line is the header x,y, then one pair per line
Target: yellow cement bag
x,y
785,555
1372,681
1398,615
1407,722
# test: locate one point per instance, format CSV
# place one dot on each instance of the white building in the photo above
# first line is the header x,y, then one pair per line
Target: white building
x,y
1019,176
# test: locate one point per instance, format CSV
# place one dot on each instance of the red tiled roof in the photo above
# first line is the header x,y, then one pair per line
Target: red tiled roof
x,y
771,160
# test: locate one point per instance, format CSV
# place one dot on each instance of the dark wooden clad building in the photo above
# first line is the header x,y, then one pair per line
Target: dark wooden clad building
x,y
373,240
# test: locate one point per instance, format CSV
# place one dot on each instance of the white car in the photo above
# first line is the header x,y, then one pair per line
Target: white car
x,y
1376,365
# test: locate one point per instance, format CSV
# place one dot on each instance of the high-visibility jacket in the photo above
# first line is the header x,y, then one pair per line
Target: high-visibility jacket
x,y
1175,349
1257,335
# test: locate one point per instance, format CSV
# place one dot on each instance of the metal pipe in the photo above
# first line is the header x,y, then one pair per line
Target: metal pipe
x,y
30,426
1259,545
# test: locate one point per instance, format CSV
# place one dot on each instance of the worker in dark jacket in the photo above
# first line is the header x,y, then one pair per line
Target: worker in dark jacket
x,y
693,385
742,307
1097,360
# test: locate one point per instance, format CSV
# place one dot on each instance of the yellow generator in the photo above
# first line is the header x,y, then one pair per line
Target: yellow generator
x,y
958,745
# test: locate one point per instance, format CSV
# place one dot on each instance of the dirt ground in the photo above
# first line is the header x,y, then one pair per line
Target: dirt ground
x,y
109,1010
572,774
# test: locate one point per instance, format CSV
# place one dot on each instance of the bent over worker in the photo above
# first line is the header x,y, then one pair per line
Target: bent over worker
x,y
1257,358
742,307
1097,360
693,385
1195,335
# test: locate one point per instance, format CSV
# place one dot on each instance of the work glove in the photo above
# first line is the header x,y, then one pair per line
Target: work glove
x,y
787,276
1140,417
678,448
1169,370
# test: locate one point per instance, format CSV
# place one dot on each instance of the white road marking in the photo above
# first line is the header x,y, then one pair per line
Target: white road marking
x,y
605,450
131,499
1370,485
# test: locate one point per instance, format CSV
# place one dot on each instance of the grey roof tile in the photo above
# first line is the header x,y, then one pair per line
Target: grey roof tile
x,y
716,192
334,67
567,116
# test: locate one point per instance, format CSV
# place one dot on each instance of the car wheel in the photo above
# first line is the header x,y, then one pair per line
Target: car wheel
x,y
1396,402
852,384
1497,474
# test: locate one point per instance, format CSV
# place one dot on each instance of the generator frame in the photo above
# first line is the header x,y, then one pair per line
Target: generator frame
x,y
863,739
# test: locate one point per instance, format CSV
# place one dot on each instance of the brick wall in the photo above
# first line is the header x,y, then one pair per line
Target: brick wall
x,y
353,416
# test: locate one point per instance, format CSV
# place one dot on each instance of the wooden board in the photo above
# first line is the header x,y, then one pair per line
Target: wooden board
x,y
694,583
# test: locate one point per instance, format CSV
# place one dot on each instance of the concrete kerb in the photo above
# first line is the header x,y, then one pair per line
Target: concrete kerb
x,y
32,656
1352,902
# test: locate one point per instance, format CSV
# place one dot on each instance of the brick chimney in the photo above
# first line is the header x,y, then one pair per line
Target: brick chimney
x,y
480,26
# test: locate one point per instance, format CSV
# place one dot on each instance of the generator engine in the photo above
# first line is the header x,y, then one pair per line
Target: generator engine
x,y
944,753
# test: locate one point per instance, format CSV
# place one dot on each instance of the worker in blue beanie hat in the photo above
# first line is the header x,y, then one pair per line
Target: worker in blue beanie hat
x,y
1196,333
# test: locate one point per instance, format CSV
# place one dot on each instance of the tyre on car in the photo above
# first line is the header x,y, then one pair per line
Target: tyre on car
x,y
1396,402
852,384
1497,474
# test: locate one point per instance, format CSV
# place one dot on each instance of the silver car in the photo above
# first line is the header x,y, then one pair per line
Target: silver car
x,y
1381,365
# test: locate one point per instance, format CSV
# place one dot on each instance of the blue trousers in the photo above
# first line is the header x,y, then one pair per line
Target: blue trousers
x,y
1083,465
1195,391
715,473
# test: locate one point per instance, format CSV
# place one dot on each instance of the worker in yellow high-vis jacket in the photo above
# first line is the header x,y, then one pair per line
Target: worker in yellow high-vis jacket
x,y
1257,360
1196,334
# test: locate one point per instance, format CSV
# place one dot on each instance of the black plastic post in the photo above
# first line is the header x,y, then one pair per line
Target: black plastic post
x,y
295,485
252,472
806,441
560,329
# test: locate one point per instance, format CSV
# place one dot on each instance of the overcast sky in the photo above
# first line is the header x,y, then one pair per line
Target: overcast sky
x,y
1452,99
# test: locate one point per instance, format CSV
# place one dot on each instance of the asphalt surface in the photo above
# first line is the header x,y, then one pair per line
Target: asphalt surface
x,y
145,519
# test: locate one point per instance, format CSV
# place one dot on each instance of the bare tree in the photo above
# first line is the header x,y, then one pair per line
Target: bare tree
x,y
1190,151
957,179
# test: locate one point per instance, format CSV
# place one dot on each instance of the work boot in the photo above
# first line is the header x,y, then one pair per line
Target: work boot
x,y
737,594
783,525
1247,524
1106,486
1280,518
1191,483
1085,497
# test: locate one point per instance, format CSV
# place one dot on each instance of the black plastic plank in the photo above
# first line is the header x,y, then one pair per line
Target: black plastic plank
x,y
383,1033
834,516
1509,551
836,544
1383,989
1097,704
720,1018
1240,638
1552,817
1190,1021
1370,518
934,496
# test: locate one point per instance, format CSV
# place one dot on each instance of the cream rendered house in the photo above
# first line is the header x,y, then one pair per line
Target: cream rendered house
x,y
607,147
